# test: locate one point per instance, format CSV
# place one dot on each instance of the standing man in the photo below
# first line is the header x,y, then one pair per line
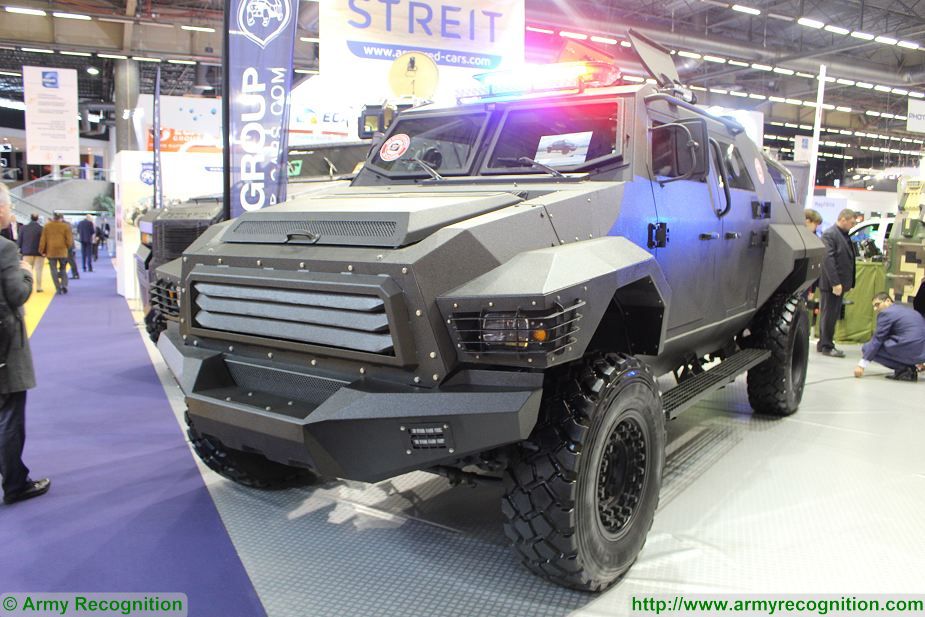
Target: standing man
x,y
16,374
898,341
56,239
836,280
85,232
29,238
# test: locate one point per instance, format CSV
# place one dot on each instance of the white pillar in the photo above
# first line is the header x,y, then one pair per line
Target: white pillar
x,y
817,130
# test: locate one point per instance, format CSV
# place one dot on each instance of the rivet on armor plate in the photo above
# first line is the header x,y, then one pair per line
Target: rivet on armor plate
x,y
314,362
228,398
433,355
259,263
195,343
491,304
269,354
417,380
451,450
219,260
231,348
455,305
184,337
446,427
301,264
436,377
401,428
404,270
418,313
407,451
182,320
349,268
250,394
529,360
362,371
185,259
289,403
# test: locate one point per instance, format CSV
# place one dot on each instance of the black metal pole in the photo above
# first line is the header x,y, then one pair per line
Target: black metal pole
x,y
226,115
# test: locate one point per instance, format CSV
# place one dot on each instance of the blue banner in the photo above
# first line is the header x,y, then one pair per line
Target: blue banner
x,y
258,81
158,182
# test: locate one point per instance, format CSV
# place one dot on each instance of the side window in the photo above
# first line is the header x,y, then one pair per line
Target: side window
x,y
669,158
736,170
782,183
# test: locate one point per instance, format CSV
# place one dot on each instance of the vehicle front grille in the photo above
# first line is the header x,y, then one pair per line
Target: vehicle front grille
x,y
350,321
172,237
165,300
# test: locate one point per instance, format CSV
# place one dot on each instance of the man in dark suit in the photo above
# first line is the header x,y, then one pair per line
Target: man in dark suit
x,y
85,232
16,373
898,341
836,280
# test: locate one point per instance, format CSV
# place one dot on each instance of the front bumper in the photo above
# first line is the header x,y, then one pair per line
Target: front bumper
x,y
361,430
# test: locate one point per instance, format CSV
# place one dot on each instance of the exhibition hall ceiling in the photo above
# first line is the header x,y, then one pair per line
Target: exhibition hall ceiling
x,y
755,54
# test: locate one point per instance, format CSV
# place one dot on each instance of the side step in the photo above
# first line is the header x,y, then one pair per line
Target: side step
x,y
691,390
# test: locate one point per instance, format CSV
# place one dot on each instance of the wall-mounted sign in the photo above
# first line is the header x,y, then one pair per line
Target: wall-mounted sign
x,y
52,136
916,117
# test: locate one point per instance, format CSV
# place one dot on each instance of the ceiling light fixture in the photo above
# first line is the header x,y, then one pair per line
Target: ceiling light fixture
x,y
739,63
810,23
886,40
573,35
783,71
10,74
908,44
84,54
746,9
539,30
845,82
761,67
92,70
604,40
145,59
181,62
307,71
864,85
715,59
197,28
26,11
689,54
37,50
71,16
309,39
113,56
864,36
837,30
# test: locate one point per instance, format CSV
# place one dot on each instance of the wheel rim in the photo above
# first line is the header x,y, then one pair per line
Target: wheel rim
x,y
621,477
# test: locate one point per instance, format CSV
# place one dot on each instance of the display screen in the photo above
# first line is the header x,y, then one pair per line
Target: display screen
x,y
567,149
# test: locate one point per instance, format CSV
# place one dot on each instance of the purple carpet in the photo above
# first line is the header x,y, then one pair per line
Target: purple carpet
x,y
128,510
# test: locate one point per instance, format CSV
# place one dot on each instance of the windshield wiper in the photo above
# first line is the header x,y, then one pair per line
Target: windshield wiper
x,y
526,160
430,170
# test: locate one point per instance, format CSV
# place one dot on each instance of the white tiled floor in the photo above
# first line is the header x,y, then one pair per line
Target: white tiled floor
x,y
830,500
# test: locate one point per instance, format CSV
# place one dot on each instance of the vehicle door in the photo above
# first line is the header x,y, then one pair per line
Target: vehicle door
x,y
688,210
744,222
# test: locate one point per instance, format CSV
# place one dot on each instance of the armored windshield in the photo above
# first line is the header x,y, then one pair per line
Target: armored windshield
x,y
558,136
445,143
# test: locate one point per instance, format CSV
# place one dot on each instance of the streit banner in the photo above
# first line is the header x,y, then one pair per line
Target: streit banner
x,y
258,80
361,37
51,116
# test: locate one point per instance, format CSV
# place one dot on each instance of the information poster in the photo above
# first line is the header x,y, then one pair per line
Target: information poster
x,y
52,136
915,119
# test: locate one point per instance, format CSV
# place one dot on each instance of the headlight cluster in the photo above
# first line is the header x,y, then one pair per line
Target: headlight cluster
x,y
515,332
511,330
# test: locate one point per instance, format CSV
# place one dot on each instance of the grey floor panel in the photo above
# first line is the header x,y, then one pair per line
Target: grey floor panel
x,y
828,500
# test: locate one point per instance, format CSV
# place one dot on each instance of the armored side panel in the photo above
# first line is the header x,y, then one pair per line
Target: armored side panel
x,y
906,247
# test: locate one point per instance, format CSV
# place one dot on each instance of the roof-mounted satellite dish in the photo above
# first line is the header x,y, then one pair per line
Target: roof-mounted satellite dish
x,y
413,74
658,62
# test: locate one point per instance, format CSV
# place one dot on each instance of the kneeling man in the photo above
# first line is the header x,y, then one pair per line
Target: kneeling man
x,y
898,342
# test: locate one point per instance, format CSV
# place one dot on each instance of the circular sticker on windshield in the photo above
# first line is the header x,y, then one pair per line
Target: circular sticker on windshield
x,y
394,147
759,169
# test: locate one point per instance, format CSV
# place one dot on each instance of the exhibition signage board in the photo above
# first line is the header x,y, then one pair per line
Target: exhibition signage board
x,y
915,121
802,148
258,64
52,136
362,37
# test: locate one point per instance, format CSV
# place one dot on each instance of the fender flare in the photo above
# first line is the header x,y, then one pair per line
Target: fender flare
x,y
588,274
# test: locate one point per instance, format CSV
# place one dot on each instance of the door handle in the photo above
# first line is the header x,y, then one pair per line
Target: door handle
x,y
710,236
732,235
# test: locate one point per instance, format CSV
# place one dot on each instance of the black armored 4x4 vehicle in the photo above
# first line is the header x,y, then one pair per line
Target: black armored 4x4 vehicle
x,y
464,307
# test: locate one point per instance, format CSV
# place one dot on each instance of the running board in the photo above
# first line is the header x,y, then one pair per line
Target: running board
x,y
693,389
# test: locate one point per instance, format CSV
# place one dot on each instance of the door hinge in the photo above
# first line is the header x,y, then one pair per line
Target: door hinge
x,y
658,235
759,238
761,209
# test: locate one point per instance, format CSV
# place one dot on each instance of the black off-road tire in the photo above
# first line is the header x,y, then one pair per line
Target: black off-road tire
x,y
581,494
775,387
246,468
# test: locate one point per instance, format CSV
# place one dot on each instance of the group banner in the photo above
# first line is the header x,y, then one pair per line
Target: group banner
x,y
258,81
